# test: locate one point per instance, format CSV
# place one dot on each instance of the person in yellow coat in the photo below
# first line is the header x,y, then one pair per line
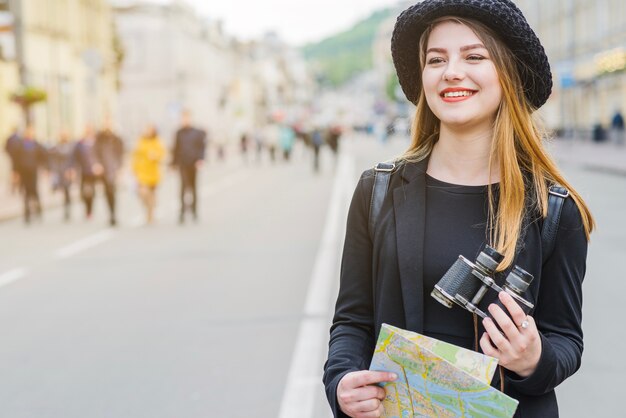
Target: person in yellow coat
x,y
147,158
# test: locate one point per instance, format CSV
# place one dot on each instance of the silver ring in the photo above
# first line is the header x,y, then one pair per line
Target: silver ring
x,y
524,324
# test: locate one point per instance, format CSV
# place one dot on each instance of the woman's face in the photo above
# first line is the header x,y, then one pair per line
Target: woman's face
x,y
150,131
460,80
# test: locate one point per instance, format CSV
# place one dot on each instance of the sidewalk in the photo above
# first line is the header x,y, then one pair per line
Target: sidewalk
x,y
605,157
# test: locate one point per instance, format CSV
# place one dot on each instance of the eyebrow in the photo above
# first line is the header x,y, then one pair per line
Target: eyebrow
x,y
463,48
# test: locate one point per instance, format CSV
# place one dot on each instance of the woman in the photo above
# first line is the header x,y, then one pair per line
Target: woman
x,y
147,159
476,173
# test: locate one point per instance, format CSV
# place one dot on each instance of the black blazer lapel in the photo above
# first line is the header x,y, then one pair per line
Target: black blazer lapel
x,y
410,213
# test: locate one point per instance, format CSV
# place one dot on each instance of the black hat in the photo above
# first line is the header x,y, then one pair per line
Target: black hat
x,y
502,16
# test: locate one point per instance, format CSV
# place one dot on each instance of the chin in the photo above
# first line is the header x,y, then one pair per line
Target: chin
x,y
463,120
457,121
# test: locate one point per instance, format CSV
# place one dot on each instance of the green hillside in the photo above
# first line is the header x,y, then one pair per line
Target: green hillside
x,y
338,58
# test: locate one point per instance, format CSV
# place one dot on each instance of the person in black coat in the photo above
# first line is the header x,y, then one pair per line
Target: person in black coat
x,y
85,161
188,157
31,156
475,174
109,152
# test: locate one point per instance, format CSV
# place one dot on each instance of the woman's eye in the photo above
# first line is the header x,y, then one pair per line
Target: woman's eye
x,y
475,58
435,60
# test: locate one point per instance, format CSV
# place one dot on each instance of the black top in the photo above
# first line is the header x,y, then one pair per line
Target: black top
x,y
451,211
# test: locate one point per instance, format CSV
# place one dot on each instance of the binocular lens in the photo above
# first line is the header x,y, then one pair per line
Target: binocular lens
x,y
519,280
489,259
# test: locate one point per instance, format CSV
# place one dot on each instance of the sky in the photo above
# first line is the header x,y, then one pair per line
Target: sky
x,y
296,21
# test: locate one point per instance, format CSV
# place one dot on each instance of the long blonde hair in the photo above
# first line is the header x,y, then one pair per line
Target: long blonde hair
x,y
526,169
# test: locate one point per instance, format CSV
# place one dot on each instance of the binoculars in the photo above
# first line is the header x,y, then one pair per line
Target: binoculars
x,y
466,283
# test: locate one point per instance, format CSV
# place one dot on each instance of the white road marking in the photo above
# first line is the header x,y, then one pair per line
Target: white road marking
x,y
306,363
11,276
84,244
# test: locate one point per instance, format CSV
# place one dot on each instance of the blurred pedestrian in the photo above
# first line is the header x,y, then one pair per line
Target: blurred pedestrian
x,y
62,171
244,146
476,173
598,132
86,163
188,156
334,134
31,157
287,138
259,143
109,151
11,146
317,140
147,158
617,128
271,134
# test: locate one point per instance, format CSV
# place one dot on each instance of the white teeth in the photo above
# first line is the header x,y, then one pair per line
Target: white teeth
x,y
458,94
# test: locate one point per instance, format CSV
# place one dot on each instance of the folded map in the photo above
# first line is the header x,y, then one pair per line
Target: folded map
x,y
437,379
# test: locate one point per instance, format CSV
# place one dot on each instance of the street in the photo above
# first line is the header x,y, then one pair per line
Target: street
x,y
229,316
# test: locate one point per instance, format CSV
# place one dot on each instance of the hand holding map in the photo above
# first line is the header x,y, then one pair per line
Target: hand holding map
x,y
436,378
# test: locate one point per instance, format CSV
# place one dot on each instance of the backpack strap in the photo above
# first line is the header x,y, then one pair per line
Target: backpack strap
x,y
382,175
556,198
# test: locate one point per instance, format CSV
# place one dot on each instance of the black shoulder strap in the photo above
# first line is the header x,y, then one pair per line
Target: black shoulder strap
x,y
556,198
382,175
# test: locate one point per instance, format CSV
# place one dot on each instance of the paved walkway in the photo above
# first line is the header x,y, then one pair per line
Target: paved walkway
x,y
605,157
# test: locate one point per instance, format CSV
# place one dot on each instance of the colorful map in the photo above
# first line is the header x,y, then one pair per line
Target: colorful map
x,y
437,379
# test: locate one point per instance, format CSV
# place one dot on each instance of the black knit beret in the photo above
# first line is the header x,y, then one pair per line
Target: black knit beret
x,y
502,16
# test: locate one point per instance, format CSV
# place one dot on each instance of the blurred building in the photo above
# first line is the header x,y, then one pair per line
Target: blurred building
x,y
173,60
67,49
391,101
176,59
586,43
285,83
9,75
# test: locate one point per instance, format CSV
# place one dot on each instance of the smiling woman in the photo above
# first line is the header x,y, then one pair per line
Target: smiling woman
x,y
476,174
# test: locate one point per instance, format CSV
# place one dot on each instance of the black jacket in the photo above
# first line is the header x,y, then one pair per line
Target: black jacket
x,y
381,282
189,146
30,155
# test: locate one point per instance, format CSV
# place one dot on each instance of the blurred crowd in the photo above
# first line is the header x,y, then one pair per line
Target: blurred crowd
x,y
93,162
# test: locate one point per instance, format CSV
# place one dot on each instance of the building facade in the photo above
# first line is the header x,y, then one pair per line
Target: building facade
x,y
67,49
586,43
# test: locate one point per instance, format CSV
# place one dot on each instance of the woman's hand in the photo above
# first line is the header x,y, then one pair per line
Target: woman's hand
x,y
358,396
519,349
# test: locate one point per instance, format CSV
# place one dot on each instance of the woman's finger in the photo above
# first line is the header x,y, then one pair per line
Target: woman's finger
x,y
487,347
504,322
369,392
517,314
496,336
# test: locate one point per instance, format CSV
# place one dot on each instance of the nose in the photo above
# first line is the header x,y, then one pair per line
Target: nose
x,y
453,72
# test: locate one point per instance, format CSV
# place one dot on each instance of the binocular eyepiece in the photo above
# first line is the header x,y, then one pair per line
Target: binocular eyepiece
x,y
466,283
